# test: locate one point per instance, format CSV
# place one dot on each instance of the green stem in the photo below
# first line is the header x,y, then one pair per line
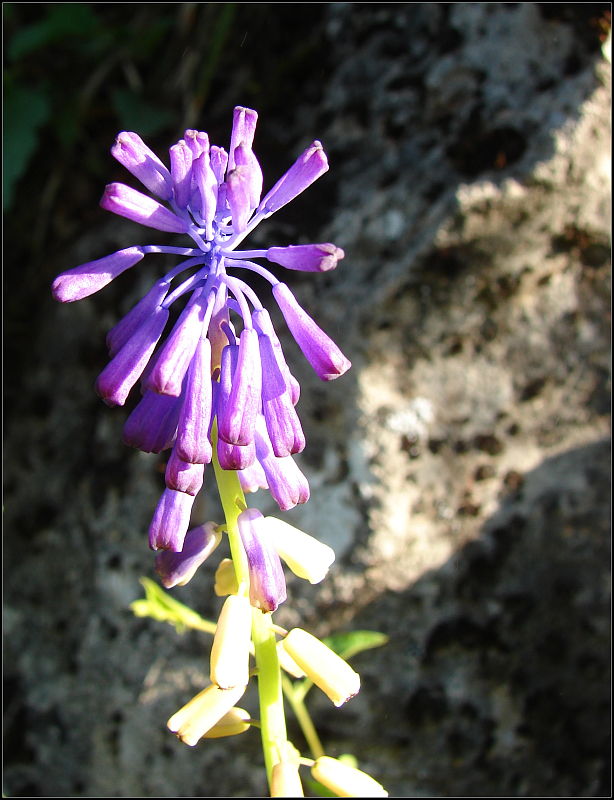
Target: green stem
x,y
303,718
233,503
272,717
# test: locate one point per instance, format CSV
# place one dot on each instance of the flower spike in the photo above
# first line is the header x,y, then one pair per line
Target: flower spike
x,y
219,377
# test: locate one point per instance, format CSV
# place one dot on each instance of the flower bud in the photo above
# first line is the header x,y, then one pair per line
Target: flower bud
x,y
182,476
243,129
240,386
82,281
318,348
286,482
138,207
323,666
176,569
306,257
288,663
285,780
206,185
170,521
244,157
267,587
345,781
193,443
307,557
252,478
152,424
230,650
128,325
133,154
239,192
181,172
232,723
282,422
174,358
308,167
202,712
125,368
226,578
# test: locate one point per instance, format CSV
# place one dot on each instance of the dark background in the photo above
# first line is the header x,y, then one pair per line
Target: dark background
x,y
476,275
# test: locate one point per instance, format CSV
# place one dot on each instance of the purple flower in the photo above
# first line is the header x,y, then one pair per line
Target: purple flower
x,y
221,367
267,584
176,569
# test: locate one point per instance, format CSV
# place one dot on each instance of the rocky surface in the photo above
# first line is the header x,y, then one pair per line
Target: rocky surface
x,y
461,470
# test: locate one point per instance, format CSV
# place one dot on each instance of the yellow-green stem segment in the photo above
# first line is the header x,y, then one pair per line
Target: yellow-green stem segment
x,y
272,717
233,503
302,715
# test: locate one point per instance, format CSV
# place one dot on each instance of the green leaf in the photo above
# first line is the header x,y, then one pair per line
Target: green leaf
x,y
349,644
159,605
25,111
137,114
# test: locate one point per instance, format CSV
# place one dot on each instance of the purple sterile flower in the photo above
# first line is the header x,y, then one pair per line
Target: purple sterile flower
x,y
286,482
170,521
80,282
321,352
176,569
306,257
152,425
183,476
237,415
218,379
126,367
132,152
194,421
267,584
174,358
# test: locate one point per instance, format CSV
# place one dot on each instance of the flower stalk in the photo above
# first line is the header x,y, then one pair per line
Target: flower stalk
x,y
272,717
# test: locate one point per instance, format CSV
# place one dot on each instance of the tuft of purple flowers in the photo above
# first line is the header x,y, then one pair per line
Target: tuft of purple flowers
x,y
219,377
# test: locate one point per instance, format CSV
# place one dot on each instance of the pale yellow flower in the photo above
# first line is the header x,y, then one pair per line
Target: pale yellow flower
x,y
230,650
325,668
346,781
202,712
307,557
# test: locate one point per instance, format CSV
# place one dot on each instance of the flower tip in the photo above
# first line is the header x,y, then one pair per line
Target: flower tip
x,y
61,290
340,367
